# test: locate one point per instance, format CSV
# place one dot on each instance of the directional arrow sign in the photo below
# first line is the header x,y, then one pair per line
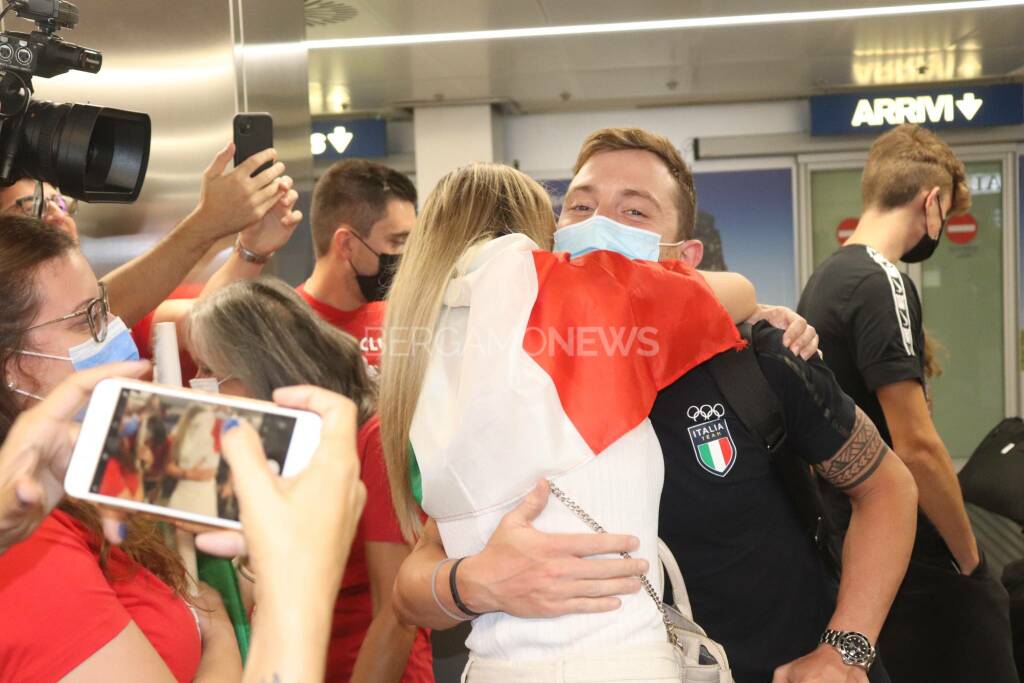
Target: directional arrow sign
x,y
332,139
969,105
871,112
340,139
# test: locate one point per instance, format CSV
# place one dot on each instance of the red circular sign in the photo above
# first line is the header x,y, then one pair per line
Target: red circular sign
x,y
962,229
845,229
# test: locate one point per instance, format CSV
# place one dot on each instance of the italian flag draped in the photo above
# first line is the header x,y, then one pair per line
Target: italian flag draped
x,y
547,362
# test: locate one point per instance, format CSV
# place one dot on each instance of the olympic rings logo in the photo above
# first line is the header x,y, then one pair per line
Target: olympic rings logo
x,y
705,412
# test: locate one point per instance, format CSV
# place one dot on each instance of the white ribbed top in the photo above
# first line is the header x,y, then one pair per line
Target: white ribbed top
x,y
620,489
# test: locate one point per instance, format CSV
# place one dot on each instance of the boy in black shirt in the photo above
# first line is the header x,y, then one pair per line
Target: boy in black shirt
x,y
949,622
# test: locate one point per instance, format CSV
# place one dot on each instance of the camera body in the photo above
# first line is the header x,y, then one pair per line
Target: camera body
x,y
95,154
40,54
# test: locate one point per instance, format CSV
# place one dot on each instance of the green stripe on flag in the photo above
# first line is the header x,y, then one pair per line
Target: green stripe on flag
x,y
415,480
706,457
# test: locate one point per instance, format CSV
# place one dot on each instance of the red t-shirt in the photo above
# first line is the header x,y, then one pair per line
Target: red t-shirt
x,y
354,610
142,333
366,323
58,608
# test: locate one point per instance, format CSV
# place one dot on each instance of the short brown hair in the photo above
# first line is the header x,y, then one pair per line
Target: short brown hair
x,y
355,192
906,160
615,139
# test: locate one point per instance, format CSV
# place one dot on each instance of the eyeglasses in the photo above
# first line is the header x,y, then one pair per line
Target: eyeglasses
x,y
96,312
34,205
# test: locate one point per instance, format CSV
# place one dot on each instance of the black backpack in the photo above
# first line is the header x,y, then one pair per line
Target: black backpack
x,y
740,380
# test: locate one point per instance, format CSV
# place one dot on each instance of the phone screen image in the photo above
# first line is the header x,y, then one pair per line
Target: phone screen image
x,y
166,451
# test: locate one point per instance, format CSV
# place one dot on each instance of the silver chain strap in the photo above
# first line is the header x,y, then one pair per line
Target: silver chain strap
x,y
598,529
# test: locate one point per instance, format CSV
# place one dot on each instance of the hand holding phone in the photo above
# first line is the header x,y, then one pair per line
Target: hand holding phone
x,y
231,200
302,526
181,477
297,533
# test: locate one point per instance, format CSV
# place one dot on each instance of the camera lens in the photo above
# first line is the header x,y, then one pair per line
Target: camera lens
x,y
91,153
245,127
6,52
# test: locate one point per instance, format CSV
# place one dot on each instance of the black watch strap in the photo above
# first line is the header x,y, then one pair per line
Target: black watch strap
x,y
456,598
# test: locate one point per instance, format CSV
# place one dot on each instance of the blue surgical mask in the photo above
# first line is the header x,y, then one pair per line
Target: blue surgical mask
x,y
116,347
602,233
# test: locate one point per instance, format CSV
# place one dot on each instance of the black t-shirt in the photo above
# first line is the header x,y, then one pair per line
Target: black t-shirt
x,y
868,317
755,581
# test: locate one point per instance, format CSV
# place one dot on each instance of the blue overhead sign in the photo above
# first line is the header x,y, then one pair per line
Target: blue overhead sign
x,y
334,139
950,107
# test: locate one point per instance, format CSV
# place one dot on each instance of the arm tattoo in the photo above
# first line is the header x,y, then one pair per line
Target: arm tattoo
x,y
859,457
276,678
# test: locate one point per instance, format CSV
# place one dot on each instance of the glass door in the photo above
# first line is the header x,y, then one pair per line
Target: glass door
x,y
963,297
968,288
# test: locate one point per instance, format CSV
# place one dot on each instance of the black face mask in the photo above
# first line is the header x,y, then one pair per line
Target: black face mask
x,y
375,287
927,244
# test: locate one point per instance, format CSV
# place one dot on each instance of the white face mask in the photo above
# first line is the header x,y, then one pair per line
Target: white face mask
x,y
210,385
22,392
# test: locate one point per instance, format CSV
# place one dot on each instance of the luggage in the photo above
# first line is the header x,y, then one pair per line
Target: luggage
x,y
993,478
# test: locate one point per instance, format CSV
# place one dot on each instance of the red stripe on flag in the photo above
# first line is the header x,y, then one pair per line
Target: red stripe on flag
x,y
727,452
605,392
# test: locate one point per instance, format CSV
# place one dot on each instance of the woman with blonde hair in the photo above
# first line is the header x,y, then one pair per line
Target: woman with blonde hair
x,y
504,364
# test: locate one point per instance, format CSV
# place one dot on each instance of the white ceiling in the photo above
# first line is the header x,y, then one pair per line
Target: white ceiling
x,y
650,68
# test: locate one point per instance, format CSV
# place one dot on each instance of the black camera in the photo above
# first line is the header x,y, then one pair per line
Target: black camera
x,y
95,154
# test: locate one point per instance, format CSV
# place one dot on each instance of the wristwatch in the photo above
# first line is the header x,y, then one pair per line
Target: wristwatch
x,y
855,648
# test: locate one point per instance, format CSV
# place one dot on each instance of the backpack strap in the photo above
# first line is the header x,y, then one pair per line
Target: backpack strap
x,y
742,383
740,380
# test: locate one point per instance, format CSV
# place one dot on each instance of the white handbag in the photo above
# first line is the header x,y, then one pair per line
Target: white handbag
x,y
704,660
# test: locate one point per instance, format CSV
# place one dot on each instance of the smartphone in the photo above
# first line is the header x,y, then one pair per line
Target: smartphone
x,y
253,133
157,450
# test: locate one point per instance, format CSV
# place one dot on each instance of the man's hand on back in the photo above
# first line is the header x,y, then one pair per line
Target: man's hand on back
x,y
799,336
528,573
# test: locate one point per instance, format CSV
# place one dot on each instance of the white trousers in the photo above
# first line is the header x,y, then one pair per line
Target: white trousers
x,y
642,663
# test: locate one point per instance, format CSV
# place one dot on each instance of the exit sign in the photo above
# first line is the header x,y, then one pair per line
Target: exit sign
x,y
959,107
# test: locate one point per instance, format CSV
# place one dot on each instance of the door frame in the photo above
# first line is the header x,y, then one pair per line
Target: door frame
x,y
1007,154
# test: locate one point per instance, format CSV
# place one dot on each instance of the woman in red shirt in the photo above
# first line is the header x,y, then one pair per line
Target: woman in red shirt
x,y
73,607
259,335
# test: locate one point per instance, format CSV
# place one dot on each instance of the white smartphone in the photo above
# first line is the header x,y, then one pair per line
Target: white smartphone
x,y
156,450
